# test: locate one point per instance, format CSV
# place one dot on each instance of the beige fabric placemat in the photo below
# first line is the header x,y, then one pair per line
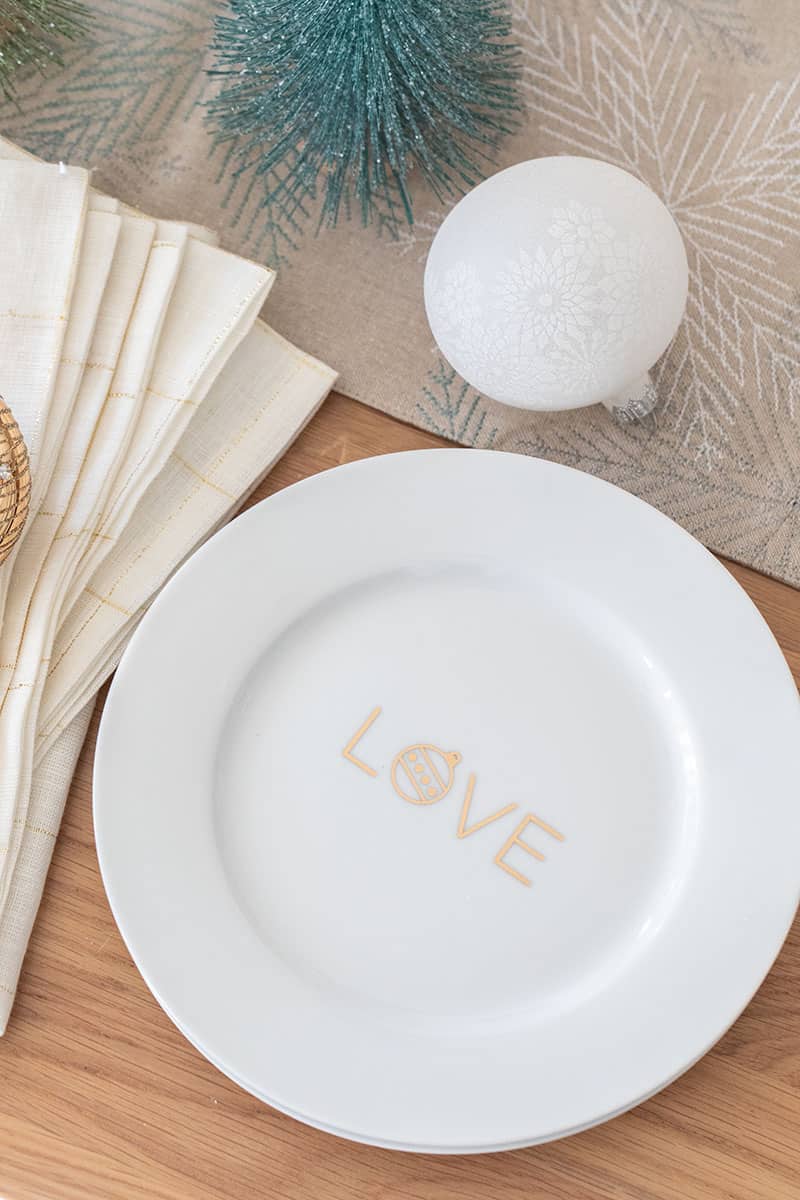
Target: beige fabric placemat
x,y
700,98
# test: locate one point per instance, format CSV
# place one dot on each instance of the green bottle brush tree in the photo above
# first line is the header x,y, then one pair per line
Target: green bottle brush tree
x,y
347,97
30,32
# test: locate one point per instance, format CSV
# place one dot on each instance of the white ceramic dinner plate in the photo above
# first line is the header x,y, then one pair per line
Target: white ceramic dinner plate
x,y
448,800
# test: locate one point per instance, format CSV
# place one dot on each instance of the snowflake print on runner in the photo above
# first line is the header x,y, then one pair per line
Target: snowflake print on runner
x,y
629,90
626,87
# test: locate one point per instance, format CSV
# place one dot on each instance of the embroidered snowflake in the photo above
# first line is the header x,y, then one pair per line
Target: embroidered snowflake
x,y
548,297
628,81
628,87
578,228
574,365
620,295
455,297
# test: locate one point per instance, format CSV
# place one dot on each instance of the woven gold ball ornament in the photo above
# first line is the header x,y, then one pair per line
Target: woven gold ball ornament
x,y
15,481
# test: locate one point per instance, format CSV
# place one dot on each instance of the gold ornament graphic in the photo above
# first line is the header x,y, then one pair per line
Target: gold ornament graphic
x,y
424,774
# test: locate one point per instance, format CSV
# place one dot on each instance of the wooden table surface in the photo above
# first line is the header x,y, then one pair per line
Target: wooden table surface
x,y
101,1097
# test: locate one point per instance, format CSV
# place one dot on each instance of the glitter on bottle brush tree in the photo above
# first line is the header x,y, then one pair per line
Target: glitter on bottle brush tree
x,y
345,98
30,33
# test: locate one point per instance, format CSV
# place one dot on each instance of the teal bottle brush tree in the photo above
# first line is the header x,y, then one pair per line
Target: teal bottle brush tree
x,y
30,33
345,98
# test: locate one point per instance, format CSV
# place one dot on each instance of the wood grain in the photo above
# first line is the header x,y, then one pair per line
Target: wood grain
x,y
101,1097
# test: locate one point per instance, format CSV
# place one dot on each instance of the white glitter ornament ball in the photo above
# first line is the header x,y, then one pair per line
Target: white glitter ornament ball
x,y
558,283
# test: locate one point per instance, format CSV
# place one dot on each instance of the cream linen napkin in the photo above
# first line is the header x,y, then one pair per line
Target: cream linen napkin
x,y
82,455
216,300
100,234
59,528
199,485
45,207
53,517
51,784
260,401
125,397
94,262
97,251
201,329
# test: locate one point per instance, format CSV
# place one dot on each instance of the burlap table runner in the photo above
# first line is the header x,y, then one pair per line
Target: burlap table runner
x,y
700,98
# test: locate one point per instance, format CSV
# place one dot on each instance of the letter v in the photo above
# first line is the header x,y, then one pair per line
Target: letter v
x,y
465,807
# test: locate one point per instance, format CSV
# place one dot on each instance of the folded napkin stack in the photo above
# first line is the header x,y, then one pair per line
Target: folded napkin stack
x,y
152,399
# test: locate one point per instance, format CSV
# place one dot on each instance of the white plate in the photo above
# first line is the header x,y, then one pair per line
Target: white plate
x,y
295,891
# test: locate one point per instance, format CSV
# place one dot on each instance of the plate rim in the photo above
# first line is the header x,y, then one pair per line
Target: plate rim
x,y
140,633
